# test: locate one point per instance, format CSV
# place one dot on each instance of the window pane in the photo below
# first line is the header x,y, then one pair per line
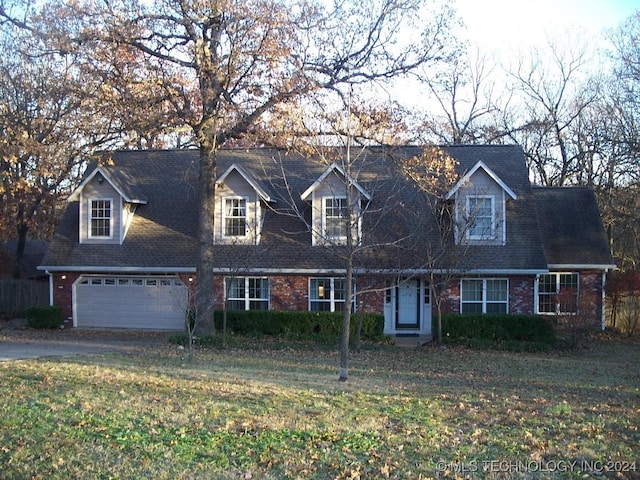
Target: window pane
x,y
480,214
320,306
235,288
547,284
497,290
235,304
258,305
472,290
496,307
320,289
101,218
568,293
235,217
471,307
339,289
335,217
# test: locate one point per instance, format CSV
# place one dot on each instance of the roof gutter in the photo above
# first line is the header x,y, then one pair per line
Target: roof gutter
x,y
581,266
98,269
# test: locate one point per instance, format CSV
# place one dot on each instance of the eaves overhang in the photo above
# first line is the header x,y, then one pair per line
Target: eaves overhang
x,y
582,266
333,168
250,179
75,195
103,269
488,171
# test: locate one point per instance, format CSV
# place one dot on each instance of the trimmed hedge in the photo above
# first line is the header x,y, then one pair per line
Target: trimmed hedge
x,y
44,317
498,328
273,322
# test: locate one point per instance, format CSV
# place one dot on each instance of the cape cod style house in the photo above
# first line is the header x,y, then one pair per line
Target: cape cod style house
x,y
125,251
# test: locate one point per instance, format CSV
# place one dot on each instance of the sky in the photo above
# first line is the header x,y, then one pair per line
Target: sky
x,y
511,24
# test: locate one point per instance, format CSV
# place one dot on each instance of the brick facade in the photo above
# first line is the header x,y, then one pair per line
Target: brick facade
x,y
291,292
63,293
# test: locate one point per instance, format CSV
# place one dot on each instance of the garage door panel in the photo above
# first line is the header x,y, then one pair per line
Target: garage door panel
x,y
138,303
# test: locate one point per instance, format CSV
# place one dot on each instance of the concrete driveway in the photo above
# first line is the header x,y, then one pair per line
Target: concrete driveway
x,y
18,350
18,342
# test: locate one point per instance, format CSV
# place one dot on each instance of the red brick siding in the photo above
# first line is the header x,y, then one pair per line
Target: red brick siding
x,y
521,295
63,292
590,301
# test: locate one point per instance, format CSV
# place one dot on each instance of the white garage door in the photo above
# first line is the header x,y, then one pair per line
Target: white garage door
x,y
152,303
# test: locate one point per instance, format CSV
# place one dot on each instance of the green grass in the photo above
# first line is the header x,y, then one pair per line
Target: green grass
x,y
262,412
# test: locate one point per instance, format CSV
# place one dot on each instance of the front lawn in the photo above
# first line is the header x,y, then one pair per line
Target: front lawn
x,y
278,411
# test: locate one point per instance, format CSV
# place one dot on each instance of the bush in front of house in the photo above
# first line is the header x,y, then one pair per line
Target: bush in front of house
x,y
257,323
273,322
44,317
511,332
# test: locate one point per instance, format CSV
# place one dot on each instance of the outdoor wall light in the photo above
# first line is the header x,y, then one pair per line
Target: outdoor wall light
x,y
63,277
191,279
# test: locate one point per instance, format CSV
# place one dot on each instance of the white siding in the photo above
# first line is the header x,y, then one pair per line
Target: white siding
x,y
95,190
235,186
481,184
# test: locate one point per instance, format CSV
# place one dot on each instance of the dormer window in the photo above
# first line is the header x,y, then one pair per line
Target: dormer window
x,y
100,218
481,217
336,214
235,217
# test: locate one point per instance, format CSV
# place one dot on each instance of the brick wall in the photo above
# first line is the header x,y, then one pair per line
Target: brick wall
x,y
63,292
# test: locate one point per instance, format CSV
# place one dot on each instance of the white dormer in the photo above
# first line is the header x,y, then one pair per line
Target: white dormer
x,y
480,207
238,211
330,196
107,203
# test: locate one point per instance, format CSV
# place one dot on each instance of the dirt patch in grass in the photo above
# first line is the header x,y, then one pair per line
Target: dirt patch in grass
x,y
262,410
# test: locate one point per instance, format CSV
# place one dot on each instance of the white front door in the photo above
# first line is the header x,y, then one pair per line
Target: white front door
x,y
408,301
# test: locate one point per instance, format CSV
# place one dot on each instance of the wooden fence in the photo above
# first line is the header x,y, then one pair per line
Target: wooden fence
x,y
18,295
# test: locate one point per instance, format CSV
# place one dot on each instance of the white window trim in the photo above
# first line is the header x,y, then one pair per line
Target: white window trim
x,y
340,238
484,293
557,305
247,299
90,218
470,221
224,216
331,300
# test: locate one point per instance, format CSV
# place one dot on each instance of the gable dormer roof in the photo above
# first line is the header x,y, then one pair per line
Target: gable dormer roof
x,y
250,178
481,165
119,180
334,167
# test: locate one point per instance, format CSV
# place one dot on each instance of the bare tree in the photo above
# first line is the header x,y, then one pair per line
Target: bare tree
x,y
464,92
434,172
225,64
554,91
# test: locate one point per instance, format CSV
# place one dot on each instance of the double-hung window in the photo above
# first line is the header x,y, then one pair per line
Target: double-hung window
x,y
336,216
327,294
480,215
247,293
235,217
558,293
484,295
100,218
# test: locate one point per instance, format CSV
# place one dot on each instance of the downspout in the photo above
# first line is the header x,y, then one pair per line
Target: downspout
x,y
50,287
603,313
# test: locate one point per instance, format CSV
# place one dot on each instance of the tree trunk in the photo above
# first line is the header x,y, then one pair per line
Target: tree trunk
x,y
22,241
204,267
346,323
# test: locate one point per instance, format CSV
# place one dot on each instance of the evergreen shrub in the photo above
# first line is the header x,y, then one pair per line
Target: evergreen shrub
x,y
44,317
503,329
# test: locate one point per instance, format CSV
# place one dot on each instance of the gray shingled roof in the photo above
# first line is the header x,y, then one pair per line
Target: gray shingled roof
x,y
571,226
163,232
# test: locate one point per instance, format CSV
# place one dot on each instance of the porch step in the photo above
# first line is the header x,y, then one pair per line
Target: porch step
x,y
411,341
